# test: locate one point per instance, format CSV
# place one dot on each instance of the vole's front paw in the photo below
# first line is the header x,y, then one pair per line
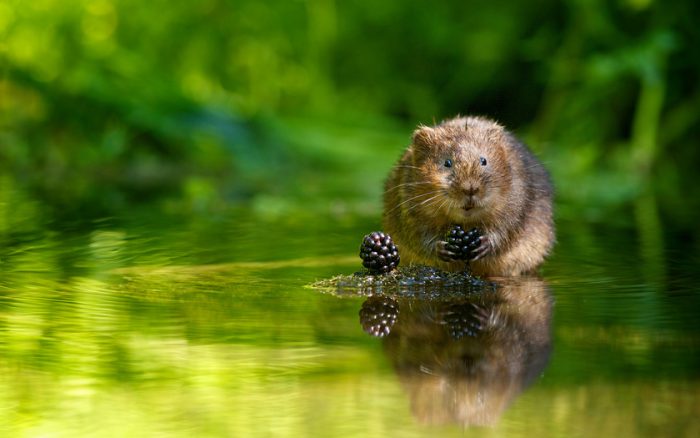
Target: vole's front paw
x,y
482,250
444,253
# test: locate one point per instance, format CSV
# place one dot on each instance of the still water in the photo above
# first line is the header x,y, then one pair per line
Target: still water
x,y
160,324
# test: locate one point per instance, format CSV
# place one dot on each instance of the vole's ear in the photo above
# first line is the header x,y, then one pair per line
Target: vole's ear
x,y
423,136
423,139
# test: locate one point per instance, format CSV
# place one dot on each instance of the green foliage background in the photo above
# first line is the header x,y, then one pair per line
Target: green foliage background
x,y
283,103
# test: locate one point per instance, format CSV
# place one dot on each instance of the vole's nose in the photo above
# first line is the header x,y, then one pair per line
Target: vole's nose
x,y
471,190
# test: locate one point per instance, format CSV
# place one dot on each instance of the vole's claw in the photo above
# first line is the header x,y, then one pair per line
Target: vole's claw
x,y
483,249
443,253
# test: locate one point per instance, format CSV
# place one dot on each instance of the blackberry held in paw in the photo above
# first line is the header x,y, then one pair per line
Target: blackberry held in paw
x,y
379,253
461,245
471,172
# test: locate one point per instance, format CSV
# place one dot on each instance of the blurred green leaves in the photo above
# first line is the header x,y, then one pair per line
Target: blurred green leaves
x,y
109,102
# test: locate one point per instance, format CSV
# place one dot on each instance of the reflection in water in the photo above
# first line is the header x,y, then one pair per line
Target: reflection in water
x,y
465,360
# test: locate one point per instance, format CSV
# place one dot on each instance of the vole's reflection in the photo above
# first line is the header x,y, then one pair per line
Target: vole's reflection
x,y
465,360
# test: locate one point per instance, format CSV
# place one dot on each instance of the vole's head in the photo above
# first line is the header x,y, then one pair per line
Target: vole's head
x,y
464,161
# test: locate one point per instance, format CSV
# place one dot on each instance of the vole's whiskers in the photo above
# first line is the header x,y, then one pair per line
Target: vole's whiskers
x,y
442,204
531,167
412,198
406,184
426,201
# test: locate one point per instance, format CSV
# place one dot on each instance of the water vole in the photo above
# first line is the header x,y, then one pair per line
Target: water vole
x,y
470,171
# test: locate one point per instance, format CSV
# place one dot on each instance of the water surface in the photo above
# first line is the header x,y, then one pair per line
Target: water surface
x,y
173,325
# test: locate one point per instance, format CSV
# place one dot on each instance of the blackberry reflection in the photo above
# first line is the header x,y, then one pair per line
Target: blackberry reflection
x,y
465,360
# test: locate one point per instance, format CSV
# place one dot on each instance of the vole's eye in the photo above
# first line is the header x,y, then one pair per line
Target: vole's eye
x,y
448,163
482,160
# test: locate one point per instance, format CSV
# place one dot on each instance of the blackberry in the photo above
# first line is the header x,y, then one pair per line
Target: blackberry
x,y
378,253
463,243
378,315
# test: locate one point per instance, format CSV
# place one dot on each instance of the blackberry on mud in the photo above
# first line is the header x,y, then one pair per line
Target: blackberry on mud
x,y
379,253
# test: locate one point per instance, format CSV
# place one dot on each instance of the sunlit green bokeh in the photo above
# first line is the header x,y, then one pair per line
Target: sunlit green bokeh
x,y
106,102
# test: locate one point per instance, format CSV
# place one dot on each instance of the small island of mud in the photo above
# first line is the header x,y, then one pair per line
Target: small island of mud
x,y
406,282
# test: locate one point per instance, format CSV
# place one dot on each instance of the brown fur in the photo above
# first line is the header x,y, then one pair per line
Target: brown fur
x,y
511,197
